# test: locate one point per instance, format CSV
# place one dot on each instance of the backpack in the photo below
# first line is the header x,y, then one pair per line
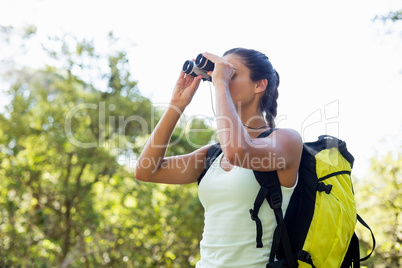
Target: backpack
x,y
318,229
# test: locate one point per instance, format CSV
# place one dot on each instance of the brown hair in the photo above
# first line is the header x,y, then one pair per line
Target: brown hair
x,y
261,68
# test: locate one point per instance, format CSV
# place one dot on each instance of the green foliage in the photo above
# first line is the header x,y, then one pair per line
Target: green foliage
x,y
379,199
68,196
393,16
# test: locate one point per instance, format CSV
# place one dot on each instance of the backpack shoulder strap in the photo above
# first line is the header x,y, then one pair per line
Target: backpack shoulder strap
x,y
213,152
271,191
266,133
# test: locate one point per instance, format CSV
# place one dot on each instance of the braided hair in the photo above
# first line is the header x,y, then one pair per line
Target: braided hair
x,y
261,68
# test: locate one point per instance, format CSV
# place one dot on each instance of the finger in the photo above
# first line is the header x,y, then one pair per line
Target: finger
x,y
195,83
212,57
198,79
182,74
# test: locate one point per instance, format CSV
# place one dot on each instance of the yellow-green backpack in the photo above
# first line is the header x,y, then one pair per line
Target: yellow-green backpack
x,y
318,229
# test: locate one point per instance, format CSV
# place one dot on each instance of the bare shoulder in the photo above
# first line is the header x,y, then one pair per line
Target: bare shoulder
x,y
288,135
291,146
289,140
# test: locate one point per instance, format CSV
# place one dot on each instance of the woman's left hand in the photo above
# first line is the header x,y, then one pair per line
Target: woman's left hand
x,y
223,70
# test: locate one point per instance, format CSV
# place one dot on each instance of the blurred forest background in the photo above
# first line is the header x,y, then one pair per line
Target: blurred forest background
x,y
67,199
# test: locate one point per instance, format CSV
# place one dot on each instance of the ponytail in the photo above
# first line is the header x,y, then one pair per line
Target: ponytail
x,y
268,103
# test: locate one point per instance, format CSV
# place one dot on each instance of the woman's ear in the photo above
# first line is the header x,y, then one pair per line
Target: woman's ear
x,y
261,85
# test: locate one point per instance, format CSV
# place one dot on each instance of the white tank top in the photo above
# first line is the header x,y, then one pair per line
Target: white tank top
x,y
229,237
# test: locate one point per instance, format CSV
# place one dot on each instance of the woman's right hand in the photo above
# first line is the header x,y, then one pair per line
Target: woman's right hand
x,y
152,164
184,90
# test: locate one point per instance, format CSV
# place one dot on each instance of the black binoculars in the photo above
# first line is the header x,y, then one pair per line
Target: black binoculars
x,y
201,66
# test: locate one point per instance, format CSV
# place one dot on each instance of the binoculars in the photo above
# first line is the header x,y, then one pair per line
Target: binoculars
x,y
201,66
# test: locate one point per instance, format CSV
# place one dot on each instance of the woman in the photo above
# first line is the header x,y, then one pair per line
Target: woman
x,y
246,88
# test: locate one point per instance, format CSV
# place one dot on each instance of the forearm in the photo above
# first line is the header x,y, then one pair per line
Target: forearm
x,y
231,132
155,149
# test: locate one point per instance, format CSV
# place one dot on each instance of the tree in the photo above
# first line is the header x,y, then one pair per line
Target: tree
x,y
68,196
380,201
392,16
380,198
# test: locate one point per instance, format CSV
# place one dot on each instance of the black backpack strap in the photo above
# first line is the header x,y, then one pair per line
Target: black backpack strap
x,y
266,133
271,188
372,236
213,152
254,214
352,257
261,196
271,191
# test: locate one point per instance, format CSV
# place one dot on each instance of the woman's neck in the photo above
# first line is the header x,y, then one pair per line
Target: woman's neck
x,y
254,122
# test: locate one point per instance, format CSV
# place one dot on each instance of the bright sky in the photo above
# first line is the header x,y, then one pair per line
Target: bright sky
x,y
341,73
